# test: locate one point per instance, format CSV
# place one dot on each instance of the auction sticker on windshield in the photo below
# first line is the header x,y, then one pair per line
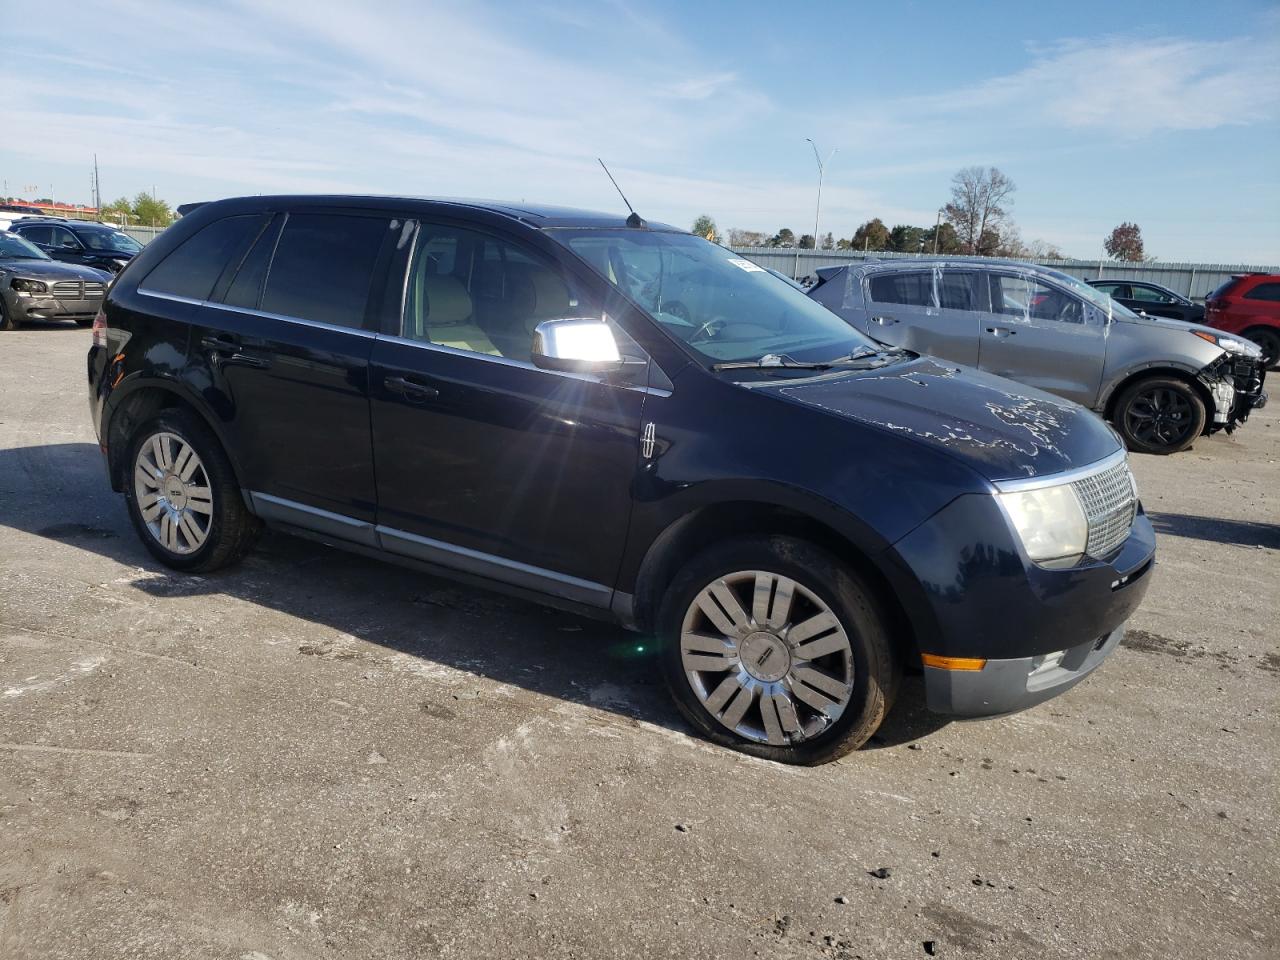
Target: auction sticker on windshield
x,y
746,265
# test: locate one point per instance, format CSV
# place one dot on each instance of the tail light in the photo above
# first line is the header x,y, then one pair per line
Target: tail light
x,y
100,329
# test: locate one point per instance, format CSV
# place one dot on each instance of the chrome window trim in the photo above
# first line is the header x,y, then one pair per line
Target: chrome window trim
x,y
229,308
1064,477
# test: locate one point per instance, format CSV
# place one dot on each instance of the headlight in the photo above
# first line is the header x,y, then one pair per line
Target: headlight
x,y
1235,345
28,286
1049,521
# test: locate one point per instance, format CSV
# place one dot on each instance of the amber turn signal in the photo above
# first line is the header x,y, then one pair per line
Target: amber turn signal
x,y
953,663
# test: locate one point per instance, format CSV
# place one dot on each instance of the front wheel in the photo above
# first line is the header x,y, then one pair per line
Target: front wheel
x,y
773,647
183,497
1159,415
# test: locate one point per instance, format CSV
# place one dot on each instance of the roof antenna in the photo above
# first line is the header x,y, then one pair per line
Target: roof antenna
x,y
635,219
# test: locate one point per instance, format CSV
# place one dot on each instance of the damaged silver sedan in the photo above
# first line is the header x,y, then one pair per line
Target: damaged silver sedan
x,y
1162,383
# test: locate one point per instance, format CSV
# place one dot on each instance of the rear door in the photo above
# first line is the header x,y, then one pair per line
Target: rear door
x,y
1042,335
928,311
286,339
487,463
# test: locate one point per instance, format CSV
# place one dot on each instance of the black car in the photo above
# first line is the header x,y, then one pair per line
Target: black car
x,y
34,287
501,394
1141,296
76,241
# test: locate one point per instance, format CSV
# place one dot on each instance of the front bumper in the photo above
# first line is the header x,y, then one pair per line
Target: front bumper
x,y
43,306
1006,686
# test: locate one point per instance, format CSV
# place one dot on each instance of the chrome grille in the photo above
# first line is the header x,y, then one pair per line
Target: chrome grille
x,y
77,290
1110,502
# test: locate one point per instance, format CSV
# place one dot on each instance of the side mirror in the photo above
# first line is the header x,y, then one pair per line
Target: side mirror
x,y
576,345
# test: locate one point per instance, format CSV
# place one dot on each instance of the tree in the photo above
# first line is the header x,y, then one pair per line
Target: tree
x,y
872,235
828,242
1125,243
747,238
806,241
705,227
783,238
948,241
979,201
1044,250
906,239
119,209
149,210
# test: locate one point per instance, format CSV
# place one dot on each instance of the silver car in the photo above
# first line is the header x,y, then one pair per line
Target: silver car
x,y
1162,383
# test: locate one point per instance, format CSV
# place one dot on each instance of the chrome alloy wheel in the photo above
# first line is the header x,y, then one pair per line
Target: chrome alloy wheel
x,y
173,493
767,657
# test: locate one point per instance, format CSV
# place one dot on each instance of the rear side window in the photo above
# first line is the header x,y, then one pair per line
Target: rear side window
x,y
1264,291
194,267
323,266
912,289
37,234
955,291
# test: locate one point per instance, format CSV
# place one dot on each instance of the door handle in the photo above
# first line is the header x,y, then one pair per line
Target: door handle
x,y
226,347
410,389
1001,332
884,321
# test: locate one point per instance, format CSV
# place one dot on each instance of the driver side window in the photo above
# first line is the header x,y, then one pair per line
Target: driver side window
x,y
469,291
1028,299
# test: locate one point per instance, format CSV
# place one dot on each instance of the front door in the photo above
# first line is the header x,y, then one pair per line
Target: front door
x,y
486,463
1043,336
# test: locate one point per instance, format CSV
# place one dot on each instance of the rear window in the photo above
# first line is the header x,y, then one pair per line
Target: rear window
x,y
323,266
912,289
1264,291
1224,288
194,267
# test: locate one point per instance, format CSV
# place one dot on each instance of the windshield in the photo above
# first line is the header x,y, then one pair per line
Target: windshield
x,y
13,247
111,241
1093,295
722,306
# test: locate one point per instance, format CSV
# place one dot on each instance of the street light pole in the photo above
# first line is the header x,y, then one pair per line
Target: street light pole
x,y
937,227
817,210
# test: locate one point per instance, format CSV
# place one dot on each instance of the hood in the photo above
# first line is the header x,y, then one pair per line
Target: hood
x,y
53,270
1247,346
1001,429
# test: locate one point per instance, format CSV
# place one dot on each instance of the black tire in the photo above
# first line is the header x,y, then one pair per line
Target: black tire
x,y
1269,340
7,322
876,669
232,528
1159,415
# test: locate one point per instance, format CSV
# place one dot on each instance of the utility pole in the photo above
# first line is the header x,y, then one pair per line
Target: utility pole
x,y
97,186
937,227
817,210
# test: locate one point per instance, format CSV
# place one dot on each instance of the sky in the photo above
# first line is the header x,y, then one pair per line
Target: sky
x,y
1166,114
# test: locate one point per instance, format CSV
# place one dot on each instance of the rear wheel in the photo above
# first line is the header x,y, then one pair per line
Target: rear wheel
x,y
1159,415
183,497
1269,340
773,647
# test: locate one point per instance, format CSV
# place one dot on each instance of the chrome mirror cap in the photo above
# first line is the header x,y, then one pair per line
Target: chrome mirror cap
x,y
579,344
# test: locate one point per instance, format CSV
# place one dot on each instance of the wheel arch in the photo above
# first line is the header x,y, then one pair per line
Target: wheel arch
x,y
135,402
689,534
1184,374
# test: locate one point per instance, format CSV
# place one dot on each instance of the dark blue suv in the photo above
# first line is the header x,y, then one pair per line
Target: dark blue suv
x,y
628,421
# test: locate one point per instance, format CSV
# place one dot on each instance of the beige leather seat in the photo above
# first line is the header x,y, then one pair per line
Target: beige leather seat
x,y
448,316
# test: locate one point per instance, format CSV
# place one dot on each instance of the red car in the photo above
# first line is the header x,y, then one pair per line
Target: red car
x,y
1249,305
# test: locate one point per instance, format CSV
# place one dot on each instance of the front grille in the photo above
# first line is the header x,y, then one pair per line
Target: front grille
x,y
78,290
1110,502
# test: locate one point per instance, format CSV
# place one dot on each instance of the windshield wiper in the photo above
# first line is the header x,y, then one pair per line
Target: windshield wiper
x,y
772,361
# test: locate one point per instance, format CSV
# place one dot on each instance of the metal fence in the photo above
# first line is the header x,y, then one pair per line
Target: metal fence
x,y
1195,280
143,235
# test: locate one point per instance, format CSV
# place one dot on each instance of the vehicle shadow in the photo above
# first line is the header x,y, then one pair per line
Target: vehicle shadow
x,y
1245,533
467,628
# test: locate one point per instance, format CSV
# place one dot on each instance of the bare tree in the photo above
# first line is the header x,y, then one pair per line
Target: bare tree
x,y
747,238
979,201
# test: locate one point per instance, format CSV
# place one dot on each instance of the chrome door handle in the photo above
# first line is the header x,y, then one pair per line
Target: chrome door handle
x,y
1001,331
883,321
227,351
410,389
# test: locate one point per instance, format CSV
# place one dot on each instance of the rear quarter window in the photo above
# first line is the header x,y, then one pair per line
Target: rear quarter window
x,y
194,266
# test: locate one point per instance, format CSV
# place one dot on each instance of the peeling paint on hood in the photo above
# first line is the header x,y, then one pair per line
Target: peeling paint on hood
x,y
1003,430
